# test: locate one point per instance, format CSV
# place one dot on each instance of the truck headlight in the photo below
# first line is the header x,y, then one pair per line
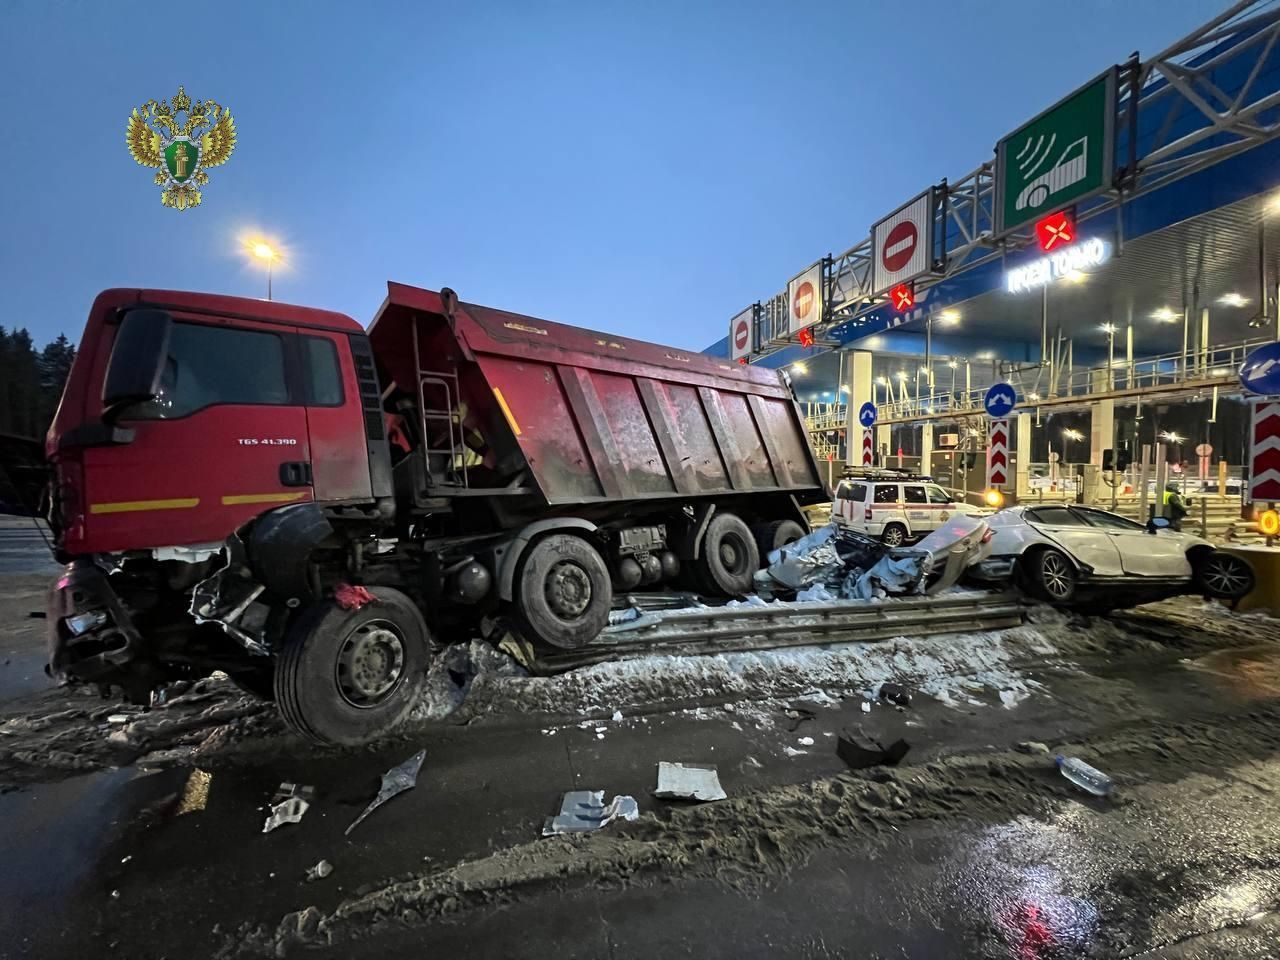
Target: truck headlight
x,y
82,623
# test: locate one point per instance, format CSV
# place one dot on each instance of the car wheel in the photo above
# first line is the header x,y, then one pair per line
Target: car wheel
x,y
563,592
1224,576
1054,576
729,558
346,676
894,535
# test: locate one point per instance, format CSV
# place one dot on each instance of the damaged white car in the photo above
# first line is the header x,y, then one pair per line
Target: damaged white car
x,y
1064,554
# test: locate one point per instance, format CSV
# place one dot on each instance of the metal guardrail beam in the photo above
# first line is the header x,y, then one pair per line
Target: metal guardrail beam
x,y
1193,124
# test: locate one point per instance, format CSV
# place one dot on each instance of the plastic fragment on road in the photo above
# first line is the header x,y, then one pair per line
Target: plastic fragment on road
x,y
860,751
395,781
866,706
805,741
350,597
287,811
287,790
1087,778
689,781
582,811
319,871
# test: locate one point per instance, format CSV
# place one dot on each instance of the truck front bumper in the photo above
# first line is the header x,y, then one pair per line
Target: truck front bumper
x,y
91,637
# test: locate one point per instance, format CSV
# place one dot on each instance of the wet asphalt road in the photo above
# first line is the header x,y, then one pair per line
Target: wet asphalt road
x,y
1184,860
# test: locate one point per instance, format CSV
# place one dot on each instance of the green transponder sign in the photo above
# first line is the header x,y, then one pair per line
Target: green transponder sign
x,y
180,158
1059,157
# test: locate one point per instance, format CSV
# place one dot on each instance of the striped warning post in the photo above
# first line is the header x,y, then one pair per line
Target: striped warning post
x,y
998,454
1264,451
867,449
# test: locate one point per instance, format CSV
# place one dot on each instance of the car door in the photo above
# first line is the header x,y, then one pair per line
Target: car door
x,y
1142,554
920,515
1090,545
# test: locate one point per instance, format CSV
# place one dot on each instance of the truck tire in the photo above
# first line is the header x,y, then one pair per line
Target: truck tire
x,y
729,558
347,676
563,592
771,536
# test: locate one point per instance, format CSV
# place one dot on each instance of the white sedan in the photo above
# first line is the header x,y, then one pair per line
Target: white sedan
x,y
1057,552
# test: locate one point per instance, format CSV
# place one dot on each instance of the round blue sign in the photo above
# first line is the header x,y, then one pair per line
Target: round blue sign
x,y
867,414
1000,400
1260,372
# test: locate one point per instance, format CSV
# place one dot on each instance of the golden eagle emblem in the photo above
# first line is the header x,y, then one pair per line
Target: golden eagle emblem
x,y
183,139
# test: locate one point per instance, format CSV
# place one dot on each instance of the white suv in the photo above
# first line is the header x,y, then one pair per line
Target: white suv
x,y
895,509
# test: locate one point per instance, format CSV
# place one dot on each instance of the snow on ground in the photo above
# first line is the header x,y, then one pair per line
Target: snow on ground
x,y
962,669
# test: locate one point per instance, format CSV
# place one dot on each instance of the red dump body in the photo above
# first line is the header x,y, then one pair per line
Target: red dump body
x,y
599,417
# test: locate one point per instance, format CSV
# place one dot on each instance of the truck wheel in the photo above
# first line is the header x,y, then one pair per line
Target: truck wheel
x,y
771,536
346,676
729,559
894,535
563,593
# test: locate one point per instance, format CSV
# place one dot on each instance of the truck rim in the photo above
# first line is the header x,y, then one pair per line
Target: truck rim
x,y
370,663
568,590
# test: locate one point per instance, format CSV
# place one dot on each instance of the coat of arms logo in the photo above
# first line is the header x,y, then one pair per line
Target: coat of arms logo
x,y
183,139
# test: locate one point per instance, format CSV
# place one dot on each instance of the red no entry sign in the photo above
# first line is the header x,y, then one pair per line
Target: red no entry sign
x,y
803,301
741,334
899,246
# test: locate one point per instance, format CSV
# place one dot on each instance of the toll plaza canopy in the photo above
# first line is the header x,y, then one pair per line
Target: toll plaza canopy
x,y
1134,218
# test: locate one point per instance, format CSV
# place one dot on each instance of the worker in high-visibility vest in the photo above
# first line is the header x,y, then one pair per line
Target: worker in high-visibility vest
x,y
1175,508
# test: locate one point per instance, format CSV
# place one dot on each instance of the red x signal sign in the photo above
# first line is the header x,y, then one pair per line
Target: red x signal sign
x,y
903,297
1056,230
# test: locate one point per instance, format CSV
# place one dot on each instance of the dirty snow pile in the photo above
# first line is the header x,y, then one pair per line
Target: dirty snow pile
x,y
957,669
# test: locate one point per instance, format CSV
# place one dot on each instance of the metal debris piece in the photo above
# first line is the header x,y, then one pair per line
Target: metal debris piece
x,y
584,810
288,790
394,781
320,870
689,781
352,598
289,811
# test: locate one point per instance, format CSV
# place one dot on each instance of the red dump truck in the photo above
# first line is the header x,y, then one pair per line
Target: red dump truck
x,y
272,491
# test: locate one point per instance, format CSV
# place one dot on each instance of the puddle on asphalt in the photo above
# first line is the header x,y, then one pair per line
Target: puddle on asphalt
x,y
1250,673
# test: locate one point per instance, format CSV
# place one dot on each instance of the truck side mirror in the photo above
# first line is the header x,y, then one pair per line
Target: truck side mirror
x,y
137,359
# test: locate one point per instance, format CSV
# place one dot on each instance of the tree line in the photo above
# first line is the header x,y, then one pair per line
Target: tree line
x,y
31,381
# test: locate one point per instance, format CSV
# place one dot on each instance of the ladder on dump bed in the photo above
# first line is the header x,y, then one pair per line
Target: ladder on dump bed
x,y
437,401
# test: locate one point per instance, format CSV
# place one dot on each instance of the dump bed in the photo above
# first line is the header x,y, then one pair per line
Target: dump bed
x,y
600,417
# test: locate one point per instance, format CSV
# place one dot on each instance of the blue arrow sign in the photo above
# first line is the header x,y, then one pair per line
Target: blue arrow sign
x,y
1260,372
1000,400
867,414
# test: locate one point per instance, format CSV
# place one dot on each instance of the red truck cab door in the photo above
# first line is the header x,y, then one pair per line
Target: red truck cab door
x,y
225,439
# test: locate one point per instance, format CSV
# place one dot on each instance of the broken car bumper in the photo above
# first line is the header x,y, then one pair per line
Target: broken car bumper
x,y
90,635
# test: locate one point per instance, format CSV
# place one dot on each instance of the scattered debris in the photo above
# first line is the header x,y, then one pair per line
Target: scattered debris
x,y
793,752
805,741
319,871
866,706
119,718
1031,746
350,597
288,811
617,716
895,693
288,790
1084,776
395,781
585,810
859,751
689,781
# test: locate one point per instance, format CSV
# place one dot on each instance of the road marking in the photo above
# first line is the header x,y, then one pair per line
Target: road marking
x,y
133,506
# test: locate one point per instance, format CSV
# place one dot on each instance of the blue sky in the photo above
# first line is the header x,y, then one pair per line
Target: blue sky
x,y
642,168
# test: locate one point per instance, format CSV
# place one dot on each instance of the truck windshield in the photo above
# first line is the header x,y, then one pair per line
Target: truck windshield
x,y
208,365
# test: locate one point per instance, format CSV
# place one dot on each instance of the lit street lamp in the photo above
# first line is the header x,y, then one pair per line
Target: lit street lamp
x,y
1067,436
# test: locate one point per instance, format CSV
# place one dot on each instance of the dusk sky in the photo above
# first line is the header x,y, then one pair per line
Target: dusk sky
x,y
642,168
